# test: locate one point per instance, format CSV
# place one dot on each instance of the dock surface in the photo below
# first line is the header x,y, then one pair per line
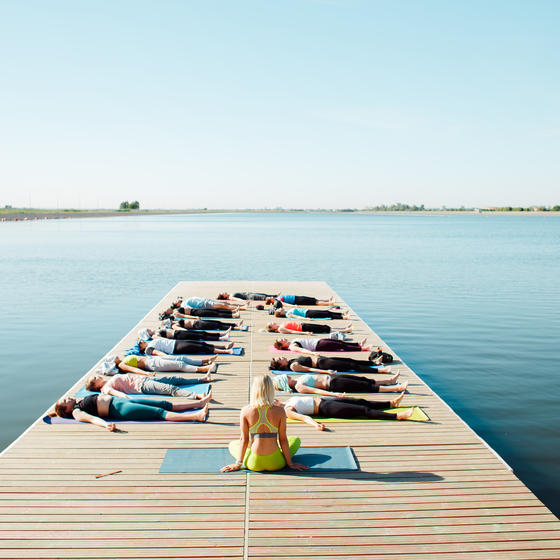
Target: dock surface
x,y
425,490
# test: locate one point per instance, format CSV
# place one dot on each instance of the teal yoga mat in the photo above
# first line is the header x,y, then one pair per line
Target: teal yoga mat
x,y
211,460
198,388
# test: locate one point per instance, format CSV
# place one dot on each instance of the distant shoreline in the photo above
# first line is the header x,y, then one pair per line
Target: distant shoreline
x,y
28,214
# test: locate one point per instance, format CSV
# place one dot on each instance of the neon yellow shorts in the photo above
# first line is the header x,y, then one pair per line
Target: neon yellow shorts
x,y
271,462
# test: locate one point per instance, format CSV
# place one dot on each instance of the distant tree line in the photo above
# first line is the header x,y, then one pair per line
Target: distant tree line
x,y
397,207
555,208
134,205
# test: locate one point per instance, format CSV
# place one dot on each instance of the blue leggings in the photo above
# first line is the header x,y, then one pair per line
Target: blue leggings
x,y
138,409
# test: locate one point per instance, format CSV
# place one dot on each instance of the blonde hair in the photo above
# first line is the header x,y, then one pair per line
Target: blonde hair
x,y
262,391
90,382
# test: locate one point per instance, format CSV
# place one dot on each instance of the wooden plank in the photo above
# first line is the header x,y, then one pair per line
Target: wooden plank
x,y
435,491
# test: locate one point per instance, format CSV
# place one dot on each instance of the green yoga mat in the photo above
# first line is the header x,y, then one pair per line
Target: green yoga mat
x,y
417,416
211,460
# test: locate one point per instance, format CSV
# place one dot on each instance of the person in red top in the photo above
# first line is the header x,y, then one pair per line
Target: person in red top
x,y
296,327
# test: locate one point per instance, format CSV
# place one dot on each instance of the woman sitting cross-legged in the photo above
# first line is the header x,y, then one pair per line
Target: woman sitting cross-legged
x,y
264,445
303,408
336,385
297,327
322,364
310,345
96,409
124,384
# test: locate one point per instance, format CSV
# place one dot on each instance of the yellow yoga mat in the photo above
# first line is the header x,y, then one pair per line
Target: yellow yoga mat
x,y
417,416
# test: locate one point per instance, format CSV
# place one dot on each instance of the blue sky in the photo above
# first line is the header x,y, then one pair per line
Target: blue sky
x,y
308,103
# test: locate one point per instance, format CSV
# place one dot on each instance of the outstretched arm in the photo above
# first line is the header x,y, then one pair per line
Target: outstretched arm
x,y
116,393
291,413
301,388
295,348
298,368
82,416
131,369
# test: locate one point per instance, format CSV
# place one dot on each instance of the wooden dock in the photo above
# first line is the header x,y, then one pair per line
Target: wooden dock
x,y
424,491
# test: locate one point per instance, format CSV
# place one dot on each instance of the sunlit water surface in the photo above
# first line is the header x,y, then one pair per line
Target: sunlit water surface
x,y
470,302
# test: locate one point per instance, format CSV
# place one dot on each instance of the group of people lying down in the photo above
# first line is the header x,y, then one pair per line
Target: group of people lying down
x,y
167,349
263,445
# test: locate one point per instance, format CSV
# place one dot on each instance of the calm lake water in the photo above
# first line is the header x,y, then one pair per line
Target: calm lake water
x,y
470,302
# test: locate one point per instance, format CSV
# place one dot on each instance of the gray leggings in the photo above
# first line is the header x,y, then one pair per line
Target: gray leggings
x,y
169,386
183,363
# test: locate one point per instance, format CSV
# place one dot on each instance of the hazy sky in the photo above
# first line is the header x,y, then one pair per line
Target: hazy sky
x,y
307,103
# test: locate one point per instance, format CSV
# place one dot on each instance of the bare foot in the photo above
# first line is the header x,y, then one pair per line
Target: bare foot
x,y
204,399
347,329
395,403
239,324
207,378
235,314
393,379
386,369
393,388
345,316
228,345
211,360
400,387
199,416
405,414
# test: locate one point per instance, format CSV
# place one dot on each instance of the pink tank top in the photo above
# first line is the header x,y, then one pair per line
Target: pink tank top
x,y
294,326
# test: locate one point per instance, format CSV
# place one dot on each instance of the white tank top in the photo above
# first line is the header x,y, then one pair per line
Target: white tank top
x,y
307,343
303,405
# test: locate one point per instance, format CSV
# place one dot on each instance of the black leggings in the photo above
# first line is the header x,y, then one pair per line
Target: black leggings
x,y
345,364
305,300
322,314
190,335
224,313
330,345
348,407
211,325
315,328
344,383
192,347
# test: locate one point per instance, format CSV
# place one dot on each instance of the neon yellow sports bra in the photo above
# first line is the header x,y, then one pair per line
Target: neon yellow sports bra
x,y
131,361
263,421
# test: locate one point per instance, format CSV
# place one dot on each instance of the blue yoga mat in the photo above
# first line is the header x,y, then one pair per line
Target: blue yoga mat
x,y
211,460
198,388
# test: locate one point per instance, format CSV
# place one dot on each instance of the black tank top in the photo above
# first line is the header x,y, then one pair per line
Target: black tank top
x,y
88,404
305,361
